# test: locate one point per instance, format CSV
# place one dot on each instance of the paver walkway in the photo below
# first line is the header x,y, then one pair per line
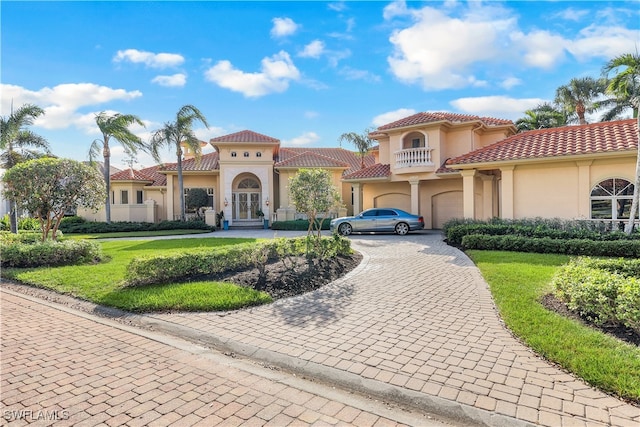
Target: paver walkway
x,y
61,367
414,321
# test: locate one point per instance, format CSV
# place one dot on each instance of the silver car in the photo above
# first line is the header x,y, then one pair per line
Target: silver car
x,y
378,219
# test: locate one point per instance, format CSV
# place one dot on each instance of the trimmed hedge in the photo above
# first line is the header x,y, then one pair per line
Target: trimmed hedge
x,y
298,224
114,227
606,292
189,264
611,248
455,233
50,253
7,237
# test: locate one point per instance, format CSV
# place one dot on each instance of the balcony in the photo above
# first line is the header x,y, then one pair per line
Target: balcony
x,y
413,157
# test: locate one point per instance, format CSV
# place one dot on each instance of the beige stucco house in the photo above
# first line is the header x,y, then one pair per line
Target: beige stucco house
x,y
438,165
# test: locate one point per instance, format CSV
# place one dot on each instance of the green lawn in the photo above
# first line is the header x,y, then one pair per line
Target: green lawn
x,y
129,234
517,281
103,283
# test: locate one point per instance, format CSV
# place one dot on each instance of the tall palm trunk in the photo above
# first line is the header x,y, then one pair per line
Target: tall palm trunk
x,y
636,187
580,111
106,153
181,185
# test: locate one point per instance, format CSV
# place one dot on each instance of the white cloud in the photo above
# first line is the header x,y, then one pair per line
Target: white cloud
x,y
541,48
605,42
438,51
396,8
283,27
496,106
306,139
274,77
175,80
510,82
337,6
313,50
392,116
150,59
571,14
61,102
354,74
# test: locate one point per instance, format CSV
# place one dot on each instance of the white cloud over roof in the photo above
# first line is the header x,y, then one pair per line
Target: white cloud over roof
x,y
275,74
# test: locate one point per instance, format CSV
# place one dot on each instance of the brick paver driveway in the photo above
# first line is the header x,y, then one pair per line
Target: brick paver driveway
x,y
61,367
414,321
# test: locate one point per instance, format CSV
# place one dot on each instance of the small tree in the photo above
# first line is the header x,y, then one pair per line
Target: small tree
x,y
196,198
48,188
312,192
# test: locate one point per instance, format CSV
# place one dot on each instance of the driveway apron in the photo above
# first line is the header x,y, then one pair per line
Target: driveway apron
x,y
415,321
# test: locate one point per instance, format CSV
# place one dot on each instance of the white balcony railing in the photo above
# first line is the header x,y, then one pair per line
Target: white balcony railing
x,y
414,157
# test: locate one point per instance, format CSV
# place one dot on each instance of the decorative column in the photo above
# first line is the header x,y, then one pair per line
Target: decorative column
x,y
584,188
357,197
469,193
170,197
487,195
415,195
507,192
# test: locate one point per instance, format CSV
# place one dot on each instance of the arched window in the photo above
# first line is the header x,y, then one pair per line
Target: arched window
x,y
611,199
248,183
414,140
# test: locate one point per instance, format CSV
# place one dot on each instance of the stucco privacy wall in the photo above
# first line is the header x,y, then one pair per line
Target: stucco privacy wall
x,y
284,199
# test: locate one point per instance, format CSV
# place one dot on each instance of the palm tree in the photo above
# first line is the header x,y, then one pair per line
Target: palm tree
x,y
13,135
176,133
579,96
362,142
115,127
625,87
544,116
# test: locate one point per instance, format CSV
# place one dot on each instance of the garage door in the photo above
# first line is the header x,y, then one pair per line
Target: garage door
x,y
393,200
446,206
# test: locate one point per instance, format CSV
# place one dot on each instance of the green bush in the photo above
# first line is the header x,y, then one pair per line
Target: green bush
x,y
553,229
50,253
299,224
615,248
194,263
601,290
24,237
115,227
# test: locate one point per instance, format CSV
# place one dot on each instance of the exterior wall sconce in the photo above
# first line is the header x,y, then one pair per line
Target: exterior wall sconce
x,y
266,202
226,202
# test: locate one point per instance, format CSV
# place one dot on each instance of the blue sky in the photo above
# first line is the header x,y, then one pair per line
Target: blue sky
x,y
303,72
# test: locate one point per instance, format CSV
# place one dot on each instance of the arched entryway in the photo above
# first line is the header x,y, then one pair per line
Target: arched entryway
x,y
246,203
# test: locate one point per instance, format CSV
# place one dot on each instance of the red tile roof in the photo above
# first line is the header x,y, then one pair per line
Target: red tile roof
x,y
149,175
422,118
349,158
131,175
309,159
557,142
244,136
208,162
375,171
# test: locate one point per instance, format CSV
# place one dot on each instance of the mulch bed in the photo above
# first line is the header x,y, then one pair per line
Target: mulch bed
x,y
550,302
294,275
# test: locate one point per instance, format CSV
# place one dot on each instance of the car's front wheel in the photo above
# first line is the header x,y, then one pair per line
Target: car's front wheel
x,y
402,228
345,229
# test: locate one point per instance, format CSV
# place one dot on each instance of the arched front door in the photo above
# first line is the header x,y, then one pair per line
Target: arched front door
x,y
246,199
